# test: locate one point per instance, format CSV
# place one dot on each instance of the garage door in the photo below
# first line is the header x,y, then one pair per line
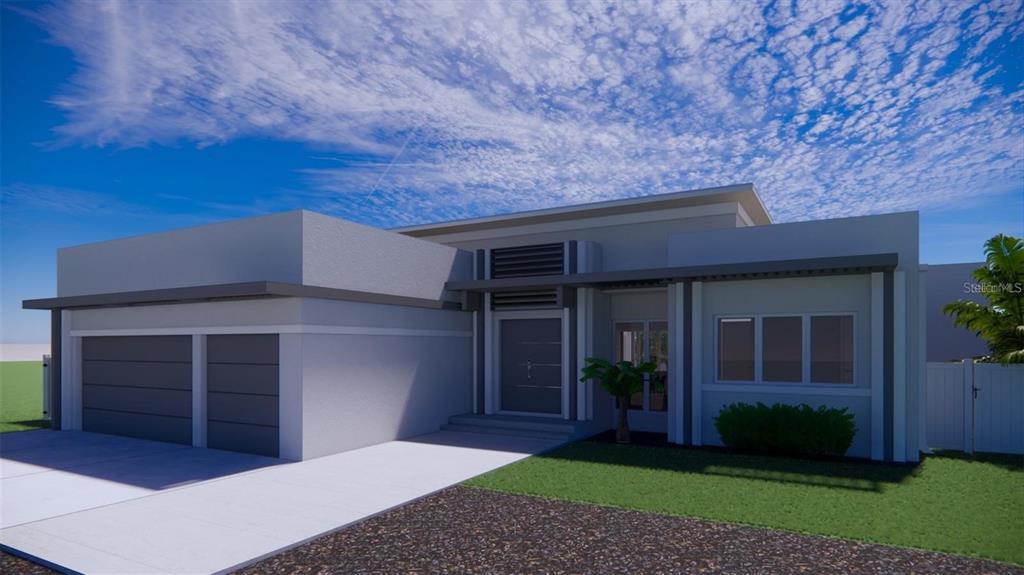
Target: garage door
x,y
140,386
242,393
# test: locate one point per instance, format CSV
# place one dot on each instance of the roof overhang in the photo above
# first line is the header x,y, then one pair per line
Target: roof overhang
x,y
842,265
231,291
743,194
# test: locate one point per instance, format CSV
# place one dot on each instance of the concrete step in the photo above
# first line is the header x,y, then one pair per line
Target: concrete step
x,y
488,429
530,424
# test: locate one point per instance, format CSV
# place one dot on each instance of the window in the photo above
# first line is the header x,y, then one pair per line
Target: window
x,y
658,336
638,341
832,349
736,349
630,338
804,348
782,349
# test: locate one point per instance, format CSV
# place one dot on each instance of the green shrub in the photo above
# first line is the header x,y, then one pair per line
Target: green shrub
x,y
791,429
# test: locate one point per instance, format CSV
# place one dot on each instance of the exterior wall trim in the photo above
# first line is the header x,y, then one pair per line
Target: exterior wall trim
x,y
282,328
797,389
733,193
515,229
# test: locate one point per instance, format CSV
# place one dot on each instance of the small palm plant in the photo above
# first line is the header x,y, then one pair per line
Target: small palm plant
x,y
1001,280
622,380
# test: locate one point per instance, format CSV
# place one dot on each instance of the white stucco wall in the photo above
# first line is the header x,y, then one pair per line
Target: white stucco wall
x,y
191,317
351,374
887,233
343,254
819,295
251,249
401,376
298,247
623,245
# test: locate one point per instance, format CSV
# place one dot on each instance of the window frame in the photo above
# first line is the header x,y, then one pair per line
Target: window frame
x,y
805,380
718,344
853,352
646,356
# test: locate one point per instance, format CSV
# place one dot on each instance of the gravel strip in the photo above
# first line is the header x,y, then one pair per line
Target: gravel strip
x,y
467,530
11,564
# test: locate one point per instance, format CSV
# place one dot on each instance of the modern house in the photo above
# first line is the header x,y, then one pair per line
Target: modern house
x,y
299,335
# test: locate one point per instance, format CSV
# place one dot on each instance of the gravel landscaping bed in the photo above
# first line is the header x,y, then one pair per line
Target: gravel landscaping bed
x,y
468,530
10,564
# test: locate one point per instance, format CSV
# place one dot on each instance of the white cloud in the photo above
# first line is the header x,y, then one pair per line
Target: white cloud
x,y
501,106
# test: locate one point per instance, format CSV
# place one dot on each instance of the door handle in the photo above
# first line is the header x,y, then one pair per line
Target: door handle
x,y
529,369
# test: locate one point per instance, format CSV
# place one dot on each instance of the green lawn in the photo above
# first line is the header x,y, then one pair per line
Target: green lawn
x,y
950,502
21,396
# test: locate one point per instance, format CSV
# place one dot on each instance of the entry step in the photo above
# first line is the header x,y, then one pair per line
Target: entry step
x,y
523,426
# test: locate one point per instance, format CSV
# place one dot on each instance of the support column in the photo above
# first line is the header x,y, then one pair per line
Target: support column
x,y
290,399
696,377
480,335
678,363
199,390
56,369
877,366
569,355
899,392
488,360
887,391
583,351
71,375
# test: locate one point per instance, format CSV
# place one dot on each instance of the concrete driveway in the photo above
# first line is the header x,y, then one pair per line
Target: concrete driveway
x,y
102,504
48,473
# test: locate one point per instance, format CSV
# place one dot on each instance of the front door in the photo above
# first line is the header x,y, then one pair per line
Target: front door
x,y
531,365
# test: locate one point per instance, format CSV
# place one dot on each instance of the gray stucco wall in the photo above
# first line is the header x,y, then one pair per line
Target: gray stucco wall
x,y
945,284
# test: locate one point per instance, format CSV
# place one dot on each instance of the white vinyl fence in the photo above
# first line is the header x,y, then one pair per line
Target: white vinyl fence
x,y
976,407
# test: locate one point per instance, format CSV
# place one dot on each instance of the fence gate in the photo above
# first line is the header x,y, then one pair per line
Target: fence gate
x,y
999,408
975,407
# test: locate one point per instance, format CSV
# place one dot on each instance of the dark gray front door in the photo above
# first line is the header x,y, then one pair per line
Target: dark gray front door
x,y
531,365
140,386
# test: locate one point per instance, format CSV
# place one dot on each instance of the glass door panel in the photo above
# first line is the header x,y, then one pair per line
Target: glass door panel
x,y
629,337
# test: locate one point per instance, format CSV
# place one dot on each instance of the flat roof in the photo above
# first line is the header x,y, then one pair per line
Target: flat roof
x,y
840,265
229,291
743,194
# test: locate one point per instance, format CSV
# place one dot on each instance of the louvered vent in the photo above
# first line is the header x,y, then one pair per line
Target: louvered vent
x,y
532,299
539,260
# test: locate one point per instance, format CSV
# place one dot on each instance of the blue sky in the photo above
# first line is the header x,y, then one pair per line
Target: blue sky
x,y
132,117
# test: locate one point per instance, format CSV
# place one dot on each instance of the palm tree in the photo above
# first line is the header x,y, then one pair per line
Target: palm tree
x,y
1001,280
622,380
